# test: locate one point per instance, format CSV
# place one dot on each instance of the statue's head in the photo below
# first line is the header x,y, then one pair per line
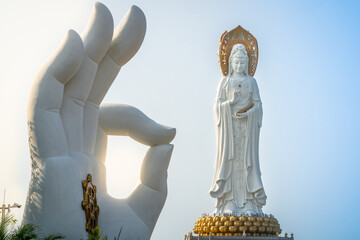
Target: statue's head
x,y
238,60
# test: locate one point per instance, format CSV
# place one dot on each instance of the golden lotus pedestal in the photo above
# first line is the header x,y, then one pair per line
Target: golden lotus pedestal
x,y
236,238
237,227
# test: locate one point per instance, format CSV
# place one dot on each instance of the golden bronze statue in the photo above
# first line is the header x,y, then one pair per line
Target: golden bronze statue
x,y
89,204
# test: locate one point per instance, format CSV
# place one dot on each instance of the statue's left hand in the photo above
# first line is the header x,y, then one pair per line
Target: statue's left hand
x,y
68,129
240,115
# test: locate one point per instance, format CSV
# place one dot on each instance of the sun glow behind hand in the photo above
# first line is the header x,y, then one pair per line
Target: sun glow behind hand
x,y
123,162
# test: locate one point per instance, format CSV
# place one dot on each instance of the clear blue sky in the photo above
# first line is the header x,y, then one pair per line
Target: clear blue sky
x,y
308,75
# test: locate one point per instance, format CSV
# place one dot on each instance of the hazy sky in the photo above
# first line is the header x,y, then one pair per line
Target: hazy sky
x,y
308,75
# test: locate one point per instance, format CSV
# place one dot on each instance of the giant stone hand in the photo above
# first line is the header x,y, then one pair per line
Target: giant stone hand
x,y
68,129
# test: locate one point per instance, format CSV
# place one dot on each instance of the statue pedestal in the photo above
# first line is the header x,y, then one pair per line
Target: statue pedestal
x,y
237,226
236,238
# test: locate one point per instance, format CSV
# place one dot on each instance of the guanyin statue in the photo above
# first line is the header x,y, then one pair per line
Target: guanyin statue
x,y
237,184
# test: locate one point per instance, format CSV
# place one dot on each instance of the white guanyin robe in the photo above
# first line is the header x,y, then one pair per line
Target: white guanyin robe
x,y
237,177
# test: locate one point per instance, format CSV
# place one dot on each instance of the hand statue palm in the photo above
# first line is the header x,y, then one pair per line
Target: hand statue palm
x,y
68,131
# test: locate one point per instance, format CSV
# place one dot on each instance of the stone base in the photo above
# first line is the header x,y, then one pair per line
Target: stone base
x,y
236,238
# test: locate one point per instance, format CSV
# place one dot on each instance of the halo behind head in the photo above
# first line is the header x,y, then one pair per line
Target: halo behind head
x,y
238,36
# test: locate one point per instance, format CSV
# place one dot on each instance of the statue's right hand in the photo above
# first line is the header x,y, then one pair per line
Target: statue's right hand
x,y
235,97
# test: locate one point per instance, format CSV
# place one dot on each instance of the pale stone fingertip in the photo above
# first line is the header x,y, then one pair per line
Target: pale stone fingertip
x,y
99,32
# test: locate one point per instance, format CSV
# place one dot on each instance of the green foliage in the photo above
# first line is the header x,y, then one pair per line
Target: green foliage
x,y
32,232
53,237
25,232
5,225
95,234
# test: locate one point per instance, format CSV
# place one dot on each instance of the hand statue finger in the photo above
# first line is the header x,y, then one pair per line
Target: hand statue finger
x,y
149,197
46,98
128,36
125,120
99,32
97,39
126,42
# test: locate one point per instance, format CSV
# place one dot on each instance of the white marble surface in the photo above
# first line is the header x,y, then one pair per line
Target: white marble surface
x,y
237,184
69,126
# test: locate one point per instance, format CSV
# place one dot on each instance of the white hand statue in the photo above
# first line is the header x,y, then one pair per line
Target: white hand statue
x,y
68,131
